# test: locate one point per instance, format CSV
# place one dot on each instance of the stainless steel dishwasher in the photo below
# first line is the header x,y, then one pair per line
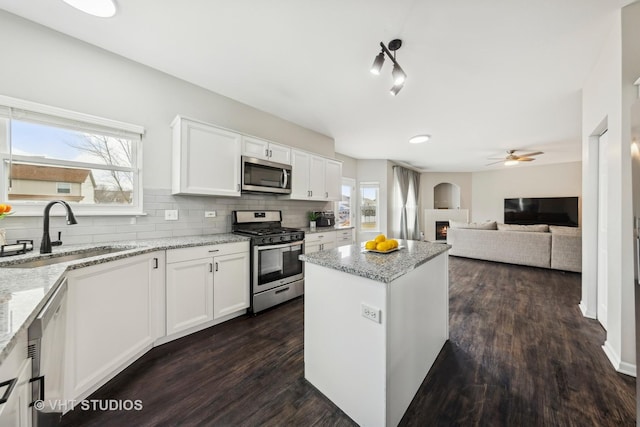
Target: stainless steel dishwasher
x,y
46,348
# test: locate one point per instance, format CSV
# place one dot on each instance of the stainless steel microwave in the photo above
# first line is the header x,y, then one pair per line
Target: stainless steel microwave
x,y
264,176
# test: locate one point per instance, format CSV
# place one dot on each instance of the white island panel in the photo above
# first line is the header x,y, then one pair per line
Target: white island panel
x,y
417,329
344,354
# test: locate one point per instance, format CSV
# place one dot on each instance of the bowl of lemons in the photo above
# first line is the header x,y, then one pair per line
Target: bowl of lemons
x,y
382,245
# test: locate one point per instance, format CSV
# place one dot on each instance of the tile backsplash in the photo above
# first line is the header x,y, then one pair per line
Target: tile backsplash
x,y
191,220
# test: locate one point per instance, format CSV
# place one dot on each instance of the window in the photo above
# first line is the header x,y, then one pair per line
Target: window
x,y
369,206
344,213
63,188
48,154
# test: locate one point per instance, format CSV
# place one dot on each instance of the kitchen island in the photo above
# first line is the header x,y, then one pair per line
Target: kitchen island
x,y
373,325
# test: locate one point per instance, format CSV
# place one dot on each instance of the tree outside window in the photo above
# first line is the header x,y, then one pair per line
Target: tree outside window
x,y
45,156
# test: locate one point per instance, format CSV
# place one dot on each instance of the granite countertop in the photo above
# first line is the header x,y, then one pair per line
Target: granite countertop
x,y
24,291
384,268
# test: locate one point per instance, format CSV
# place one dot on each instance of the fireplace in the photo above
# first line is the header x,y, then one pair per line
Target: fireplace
x,y
441,230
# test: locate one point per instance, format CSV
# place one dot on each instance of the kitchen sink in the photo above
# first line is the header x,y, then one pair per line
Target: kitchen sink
x,y
49,260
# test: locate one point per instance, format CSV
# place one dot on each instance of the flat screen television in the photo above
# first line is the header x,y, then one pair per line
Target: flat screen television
x,y
542,210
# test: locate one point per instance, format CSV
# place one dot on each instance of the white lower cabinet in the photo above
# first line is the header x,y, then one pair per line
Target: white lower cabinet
x,y
15,372
345,237
230,283
206,283
114,316
189,294
314,242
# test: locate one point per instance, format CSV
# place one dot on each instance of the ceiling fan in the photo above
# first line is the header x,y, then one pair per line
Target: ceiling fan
x,y
512,158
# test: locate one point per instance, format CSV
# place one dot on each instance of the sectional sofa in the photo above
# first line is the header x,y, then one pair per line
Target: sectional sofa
x,y
538,245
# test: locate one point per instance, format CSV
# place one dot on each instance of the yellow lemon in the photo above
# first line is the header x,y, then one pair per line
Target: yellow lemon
x,y
382,246
394,243
380,238
370,245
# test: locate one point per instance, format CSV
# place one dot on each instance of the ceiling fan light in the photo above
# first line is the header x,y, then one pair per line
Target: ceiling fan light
x,y
398,75
395,89
377,64
510,162
99,8
418,139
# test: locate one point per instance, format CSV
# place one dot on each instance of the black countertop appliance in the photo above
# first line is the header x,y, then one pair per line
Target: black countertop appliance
x,y
325,219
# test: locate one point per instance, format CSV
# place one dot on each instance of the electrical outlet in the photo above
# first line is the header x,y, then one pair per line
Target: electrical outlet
x,y
371,313
171,215
210,214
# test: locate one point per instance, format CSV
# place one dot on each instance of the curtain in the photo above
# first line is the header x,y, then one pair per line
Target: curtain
x,y
407,189
413,226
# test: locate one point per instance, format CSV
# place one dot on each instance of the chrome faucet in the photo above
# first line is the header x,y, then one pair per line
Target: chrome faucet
x,y
45,246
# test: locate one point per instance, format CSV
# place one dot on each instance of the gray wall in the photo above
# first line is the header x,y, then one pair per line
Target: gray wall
x,y
490,188
47,67
349,166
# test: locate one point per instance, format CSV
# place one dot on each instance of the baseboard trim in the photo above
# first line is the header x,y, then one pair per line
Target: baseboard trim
x,y
628,369
585,311
620,366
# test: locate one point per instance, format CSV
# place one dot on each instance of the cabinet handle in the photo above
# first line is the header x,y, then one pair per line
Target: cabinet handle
x,y
210,267
281,290
326,195
7,393
155,263
216,266
41,380
311,193
266,152
270,153
214,250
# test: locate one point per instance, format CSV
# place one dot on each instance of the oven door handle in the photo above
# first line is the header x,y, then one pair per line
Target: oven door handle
x,y
285,245
285,178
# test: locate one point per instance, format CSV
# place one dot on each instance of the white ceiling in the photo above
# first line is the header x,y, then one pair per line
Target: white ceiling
x,y
483,76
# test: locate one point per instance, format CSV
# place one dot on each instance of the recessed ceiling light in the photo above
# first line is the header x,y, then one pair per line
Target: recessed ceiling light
x,y
419,139
99,8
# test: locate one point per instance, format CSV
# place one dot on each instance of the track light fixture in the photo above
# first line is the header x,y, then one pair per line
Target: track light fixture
x,y
398,74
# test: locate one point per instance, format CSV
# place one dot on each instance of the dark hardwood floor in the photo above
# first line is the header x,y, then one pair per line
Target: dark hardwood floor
x,y
520,354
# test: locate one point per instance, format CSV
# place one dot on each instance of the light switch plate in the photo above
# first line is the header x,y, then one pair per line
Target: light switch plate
x,y
210,214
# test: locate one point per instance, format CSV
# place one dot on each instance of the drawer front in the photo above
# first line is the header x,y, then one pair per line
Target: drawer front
x,y
344,234
321,237
197,252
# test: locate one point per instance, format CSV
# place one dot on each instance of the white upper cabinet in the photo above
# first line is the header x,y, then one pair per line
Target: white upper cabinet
x,y
333,179
206,159
317,176
300,175
266,150
314,177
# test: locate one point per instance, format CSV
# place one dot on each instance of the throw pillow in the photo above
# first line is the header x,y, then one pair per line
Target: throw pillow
x,y
568,231
489,225
537,228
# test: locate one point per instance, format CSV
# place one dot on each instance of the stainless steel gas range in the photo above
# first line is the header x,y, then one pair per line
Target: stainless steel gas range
x,y
277,275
